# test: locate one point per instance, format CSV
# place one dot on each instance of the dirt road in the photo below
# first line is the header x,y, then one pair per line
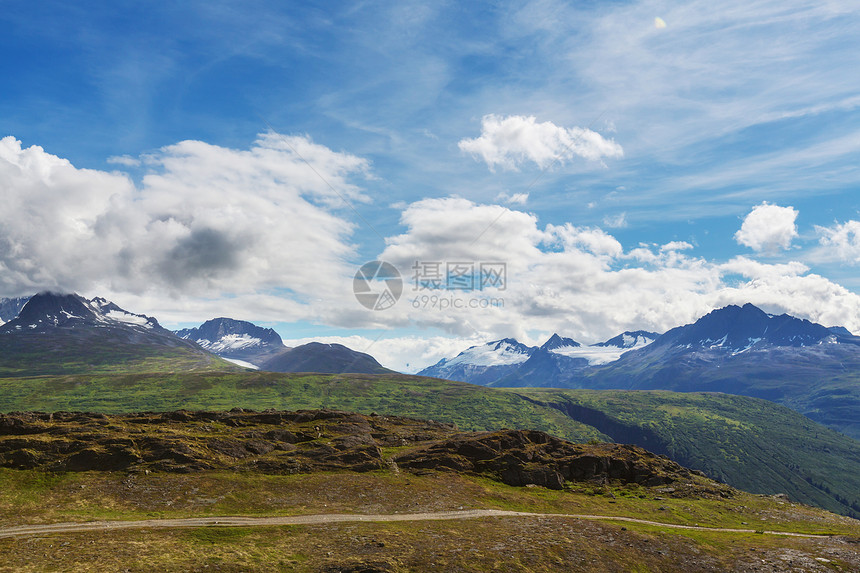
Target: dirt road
x,y
235,521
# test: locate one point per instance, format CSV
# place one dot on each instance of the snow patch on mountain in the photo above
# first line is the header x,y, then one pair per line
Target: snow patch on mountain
x,y
230,342
610,350
128,318
602,353
241,363
594,354
504,352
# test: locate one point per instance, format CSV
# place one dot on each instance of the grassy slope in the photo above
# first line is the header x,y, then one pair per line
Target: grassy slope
x,y
819,382
98,352
528,544
470,407
748,443
753,444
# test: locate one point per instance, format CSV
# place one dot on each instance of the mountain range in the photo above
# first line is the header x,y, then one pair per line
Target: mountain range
x,y
64,352
251,346
742,350
54,333
554,364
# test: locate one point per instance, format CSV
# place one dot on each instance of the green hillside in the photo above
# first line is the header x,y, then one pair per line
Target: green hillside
x,y
820,382
96,351
470,407
749,443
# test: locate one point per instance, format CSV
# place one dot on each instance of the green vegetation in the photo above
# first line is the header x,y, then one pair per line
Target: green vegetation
x,y
749,443
820,382
100,353
752,444
470,407
488,544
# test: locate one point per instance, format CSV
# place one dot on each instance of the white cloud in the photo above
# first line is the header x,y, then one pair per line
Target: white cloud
x,y
768,228
592,240
511,141
580,282
125,160
676,246
206,221
513,199
843,239
618,221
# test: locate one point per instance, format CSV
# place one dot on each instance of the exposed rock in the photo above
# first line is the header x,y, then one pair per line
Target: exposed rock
x,y
313,440
519,457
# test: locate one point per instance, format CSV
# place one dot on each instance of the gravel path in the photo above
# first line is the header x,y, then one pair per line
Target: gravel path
x,y
34,530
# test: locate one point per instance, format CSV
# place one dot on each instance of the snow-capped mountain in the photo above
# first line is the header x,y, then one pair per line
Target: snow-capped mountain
x,y
251,346
241,342
737,329
554,359
560,344
72,335
10,307
734,334
482,364
612,349
557,362
629,340
743,350
46,311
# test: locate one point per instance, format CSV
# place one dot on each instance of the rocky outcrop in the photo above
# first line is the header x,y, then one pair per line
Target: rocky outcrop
x,y
183,441
313,440
520,457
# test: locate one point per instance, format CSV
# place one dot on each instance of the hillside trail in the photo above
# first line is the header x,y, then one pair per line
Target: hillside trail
x,y
322,519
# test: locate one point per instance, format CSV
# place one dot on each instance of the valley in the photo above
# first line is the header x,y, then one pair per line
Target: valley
x,y
189,441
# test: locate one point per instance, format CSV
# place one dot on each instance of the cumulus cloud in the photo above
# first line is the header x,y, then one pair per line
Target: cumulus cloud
x,y
843,239
205,221
581,282
509,142
768,228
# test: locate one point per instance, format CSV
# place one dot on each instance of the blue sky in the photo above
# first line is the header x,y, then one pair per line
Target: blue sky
x,y
246,158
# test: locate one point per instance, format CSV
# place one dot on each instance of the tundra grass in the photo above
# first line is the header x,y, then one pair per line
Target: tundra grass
x,y
470,407
31,496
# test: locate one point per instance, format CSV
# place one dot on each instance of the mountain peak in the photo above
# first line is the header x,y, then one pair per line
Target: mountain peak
x,y
47,310
556,341
738,329
630,339
238,341
229,332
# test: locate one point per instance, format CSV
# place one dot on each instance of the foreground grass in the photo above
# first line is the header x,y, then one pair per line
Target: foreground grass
x,y
31,496
487,544
503,544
